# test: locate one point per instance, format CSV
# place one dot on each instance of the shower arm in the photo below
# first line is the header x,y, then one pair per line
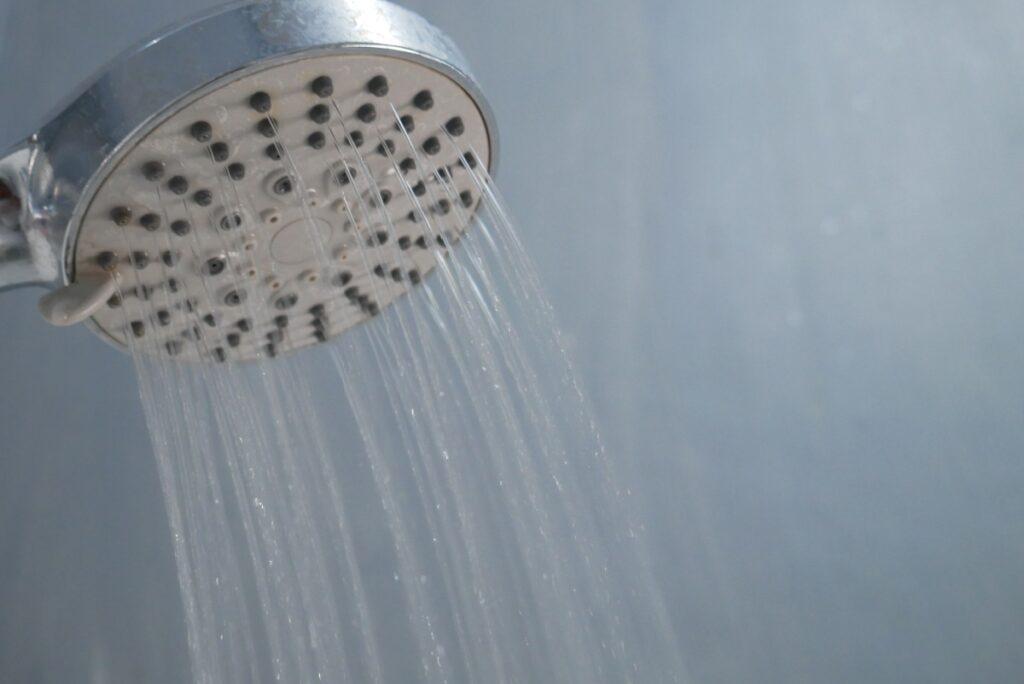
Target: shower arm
x,y
27,256
30,238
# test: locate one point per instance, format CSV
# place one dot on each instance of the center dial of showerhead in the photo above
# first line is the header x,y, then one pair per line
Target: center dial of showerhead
x,y
297,243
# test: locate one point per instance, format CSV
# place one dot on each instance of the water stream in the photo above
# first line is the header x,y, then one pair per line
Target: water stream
x,y
472,528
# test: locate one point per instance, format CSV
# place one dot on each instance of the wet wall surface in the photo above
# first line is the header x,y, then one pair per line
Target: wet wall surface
x,y
785,241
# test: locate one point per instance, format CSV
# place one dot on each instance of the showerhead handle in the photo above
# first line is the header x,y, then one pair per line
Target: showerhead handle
x,y
26,255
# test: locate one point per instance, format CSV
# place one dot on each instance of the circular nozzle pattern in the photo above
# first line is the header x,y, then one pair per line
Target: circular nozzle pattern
x,y
268,215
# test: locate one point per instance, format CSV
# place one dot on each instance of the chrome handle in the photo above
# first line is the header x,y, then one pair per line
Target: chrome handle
x,y
26,254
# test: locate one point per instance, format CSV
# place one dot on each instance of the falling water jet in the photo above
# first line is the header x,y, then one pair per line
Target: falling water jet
x,y
504,474
431,484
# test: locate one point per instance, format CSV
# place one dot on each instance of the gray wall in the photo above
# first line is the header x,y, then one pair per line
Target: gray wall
x,y
785,238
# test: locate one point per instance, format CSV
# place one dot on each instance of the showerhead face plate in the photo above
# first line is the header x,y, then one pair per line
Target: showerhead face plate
x,y
281,207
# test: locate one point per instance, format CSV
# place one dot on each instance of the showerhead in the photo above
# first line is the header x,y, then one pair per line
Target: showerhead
x,y
251,182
